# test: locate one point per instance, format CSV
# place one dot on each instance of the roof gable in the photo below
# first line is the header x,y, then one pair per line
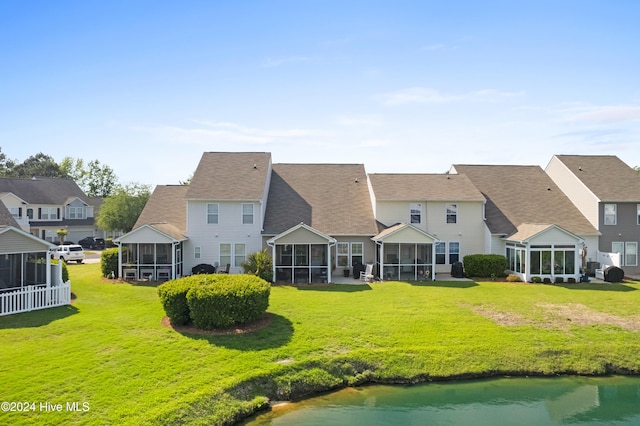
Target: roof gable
x,y
427,187
6,218
606,176
167,205
230,176
404,233
43,190
332,198
523,194
532,231
301,232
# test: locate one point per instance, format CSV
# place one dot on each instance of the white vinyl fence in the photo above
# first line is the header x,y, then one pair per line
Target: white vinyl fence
x,y
30,298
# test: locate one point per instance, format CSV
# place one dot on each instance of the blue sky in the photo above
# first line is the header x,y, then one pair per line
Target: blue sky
x,y
404,86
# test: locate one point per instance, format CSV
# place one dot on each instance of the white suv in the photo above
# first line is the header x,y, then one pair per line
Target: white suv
x,y
69,253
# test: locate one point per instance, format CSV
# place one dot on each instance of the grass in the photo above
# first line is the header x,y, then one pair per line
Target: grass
x,y
110,350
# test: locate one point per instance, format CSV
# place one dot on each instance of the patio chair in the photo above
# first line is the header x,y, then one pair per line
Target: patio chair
x,y
367,274
225,270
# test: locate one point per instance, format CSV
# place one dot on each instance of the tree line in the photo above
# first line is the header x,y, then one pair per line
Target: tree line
x,y
122,204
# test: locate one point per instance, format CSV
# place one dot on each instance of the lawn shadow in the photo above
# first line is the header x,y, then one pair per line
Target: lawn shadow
x,y
343,288
37,318
445,284
600,286
276,333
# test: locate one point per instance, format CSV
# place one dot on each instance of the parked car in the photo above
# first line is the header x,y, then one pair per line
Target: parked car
x,y
69,253
92,243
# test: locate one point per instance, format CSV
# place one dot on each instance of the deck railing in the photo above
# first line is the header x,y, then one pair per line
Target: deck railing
x,y
30,298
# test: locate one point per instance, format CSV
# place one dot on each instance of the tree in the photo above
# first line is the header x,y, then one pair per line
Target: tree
x,y
260,264
121,209
38,165
6,165
96,179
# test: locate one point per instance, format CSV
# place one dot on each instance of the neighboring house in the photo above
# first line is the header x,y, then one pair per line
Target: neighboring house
x,y
154,248
42,206
433,221
226,202
28,280
319,221
531,221
607,192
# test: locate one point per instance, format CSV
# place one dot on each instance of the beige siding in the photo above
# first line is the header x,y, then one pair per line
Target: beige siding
x,y
470,231
574,189
14,242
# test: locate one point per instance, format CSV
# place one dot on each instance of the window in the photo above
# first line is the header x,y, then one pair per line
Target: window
x,y
196,252
212,214
48,213
30,213
247,214
441,253
225,255
631,254
357,252
452,213
416,213
240,254
76,212
618,247
342,254
15,212
454,252
610,215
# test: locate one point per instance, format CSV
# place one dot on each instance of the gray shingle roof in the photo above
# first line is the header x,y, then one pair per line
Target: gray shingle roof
x,y
43,190
166,205
6,218
608,177
523,194
428,187
230,176
332,198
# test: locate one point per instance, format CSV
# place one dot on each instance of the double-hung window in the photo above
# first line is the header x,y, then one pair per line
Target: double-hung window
x,y
416,213
454,252
628,252
610,214
213,213
452,213
239,254
441,253
247,214
225,255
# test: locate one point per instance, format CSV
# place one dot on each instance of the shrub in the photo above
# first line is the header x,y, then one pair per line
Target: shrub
x,y
559,280
513,278
571,280
109,262
173,296
536,280
546,280
65,271
485,265
260,264
228,300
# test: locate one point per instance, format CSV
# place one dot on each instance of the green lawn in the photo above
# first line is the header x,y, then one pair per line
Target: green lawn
x,y
110,350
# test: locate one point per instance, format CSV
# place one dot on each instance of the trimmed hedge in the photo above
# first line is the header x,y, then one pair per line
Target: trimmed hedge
x,y
173,296
238,299
109,262
485,265
215,301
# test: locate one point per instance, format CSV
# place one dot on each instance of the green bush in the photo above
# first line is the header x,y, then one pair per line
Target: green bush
x,y
559,280
173,296
485,265
109,262
546,280
571,280
513,278
65,271
536,280
228,300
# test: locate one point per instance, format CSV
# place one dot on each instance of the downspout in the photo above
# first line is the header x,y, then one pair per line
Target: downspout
x,y
273,260
433,260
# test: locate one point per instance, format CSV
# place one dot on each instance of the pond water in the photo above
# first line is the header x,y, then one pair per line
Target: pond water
x,y
505,401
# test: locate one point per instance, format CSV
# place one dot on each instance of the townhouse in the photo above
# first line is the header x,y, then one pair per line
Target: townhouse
x,y
607,193
320,220
42,206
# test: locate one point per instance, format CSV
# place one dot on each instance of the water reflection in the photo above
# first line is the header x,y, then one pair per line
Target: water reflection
x,y
513,401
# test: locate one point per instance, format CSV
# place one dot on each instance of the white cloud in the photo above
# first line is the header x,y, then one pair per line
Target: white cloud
x,y
603,114
229,133
374,143
425,95
366,120
276,62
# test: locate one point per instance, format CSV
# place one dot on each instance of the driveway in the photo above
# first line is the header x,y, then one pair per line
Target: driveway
x,y
92,256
